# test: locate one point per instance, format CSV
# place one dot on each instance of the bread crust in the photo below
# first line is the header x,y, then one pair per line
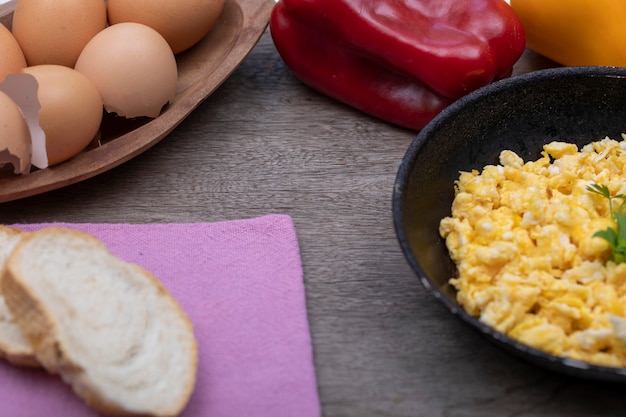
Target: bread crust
x,y
47,333
14,347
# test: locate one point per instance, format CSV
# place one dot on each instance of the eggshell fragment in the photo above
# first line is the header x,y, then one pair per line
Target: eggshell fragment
x,y
133,68
15,146
71,110
22,89
182,24
55,32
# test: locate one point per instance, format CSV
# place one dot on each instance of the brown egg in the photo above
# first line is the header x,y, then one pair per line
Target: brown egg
x,y
12,58
133,67
71,110
15,145
54,32
181,23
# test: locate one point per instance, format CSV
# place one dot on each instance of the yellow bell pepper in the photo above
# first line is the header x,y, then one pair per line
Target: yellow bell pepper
x,y
575,32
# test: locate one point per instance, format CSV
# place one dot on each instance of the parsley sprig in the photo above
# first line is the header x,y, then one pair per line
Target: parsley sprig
x,y
615,238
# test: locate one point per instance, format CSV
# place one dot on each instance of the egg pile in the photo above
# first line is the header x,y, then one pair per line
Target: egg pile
x,y
89,56
521,235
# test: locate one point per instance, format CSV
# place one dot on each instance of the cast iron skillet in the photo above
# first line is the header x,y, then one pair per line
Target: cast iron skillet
x,y
522,113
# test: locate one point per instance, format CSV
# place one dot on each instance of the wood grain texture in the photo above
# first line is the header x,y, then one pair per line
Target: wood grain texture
x,y
264,143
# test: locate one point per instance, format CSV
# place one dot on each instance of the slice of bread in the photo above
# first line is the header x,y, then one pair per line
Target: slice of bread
x,y
13,345
108,327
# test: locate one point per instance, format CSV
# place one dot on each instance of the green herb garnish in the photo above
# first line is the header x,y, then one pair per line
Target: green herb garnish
x,y
615,238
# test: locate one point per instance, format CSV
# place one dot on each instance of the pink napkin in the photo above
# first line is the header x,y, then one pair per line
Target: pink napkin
x,y
241,284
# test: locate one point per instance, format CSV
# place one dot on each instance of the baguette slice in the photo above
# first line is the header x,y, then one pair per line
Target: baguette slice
x,y
108,327
14,347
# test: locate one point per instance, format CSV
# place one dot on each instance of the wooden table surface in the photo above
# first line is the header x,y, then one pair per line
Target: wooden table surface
x,y
263,143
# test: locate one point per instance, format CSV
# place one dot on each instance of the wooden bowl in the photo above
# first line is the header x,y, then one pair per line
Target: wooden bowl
x,y
202,69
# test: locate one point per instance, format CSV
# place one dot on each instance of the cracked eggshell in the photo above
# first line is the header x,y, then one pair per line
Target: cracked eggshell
x,y
71,110
15,144
133,67
22,89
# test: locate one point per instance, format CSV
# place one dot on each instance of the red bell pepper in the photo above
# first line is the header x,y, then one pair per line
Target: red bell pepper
x,y
402,61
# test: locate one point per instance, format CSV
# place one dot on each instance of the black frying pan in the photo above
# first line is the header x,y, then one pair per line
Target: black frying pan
x,y
522,113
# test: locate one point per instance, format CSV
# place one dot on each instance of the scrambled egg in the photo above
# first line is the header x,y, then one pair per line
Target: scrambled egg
x,y
521,235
